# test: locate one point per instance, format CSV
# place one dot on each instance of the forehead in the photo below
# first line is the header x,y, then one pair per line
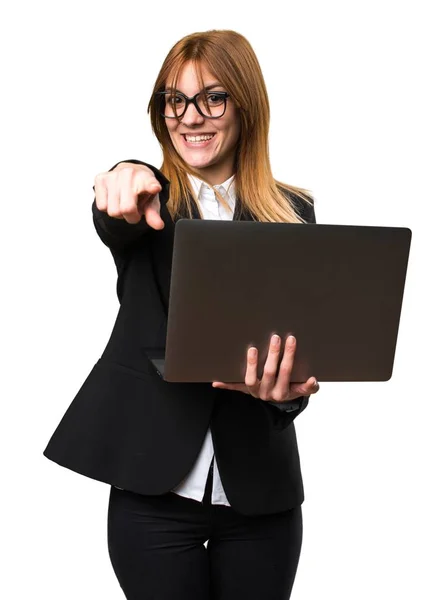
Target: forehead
x,y
191,78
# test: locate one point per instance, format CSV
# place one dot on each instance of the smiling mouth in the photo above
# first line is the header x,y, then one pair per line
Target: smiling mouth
x,y
197,139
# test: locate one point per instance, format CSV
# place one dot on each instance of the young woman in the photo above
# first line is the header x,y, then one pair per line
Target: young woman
x,y
190,463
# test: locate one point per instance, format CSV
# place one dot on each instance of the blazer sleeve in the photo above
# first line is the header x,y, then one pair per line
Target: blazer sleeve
x,y
280,418
118,234
291,409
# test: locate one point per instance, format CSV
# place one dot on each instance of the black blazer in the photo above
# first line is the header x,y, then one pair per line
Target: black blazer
x,y
127,427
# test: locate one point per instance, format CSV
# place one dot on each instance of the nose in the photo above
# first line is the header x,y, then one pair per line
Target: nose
x,y
192,116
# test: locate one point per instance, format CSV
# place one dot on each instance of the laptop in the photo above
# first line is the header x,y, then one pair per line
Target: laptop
x,y
338,289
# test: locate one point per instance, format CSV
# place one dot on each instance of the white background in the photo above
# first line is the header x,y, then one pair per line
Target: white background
x,y
350,85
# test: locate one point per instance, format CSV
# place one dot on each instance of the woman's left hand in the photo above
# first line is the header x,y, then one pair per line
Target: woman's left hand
x,y
270,387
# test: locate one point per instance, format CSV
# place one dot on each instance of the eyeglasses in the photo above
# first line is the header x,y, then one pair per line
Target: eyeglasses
x,y
211,105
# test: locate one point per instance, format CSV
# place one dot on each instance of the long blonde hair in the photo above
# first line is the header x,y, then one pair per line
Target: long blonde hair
x,y
229,57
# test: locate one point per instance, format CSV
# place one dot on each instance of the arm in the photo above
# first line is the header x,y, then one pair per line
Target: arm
x,y
118,234
289,405
281,418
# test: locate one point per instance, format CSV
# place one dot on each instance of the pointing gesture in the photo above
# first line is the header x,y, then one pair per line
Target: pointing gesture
x,y
130,192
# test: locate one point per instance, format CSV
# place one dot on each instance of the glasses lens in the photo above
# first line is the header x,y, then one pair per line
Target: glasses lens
x,y
174,105
212,104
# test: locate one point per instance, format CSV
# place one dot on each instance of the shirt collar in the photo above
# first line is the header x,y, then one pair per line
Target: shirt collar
x,y
226,189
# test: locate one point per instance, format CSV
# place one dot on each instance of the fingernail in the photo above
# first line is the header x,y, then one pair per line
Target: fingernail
x,y
291,340
275,340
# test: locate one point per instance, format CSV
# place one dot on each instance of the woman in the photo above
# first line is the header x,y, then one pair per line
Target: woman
x,y
193,462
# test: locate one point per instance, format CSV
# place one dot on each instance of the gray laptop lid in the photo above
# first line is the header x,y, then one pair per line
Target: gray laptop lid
x,y
337,288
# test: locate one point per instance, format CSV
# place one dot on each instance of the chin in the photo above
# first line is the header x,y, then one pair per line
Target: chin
x,y
197,163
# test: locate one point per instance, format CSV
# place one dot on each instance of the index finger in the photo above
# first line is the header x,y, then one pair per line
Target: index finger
x,y
151,212
146,182
134,184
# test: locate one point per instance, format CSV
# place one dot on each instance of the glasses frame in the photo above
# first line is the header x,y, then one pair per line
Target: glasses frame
x,y
193,100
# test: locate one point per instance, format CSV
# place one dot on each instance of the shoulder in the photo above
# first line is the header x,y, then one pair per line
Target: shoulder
x,y
302,201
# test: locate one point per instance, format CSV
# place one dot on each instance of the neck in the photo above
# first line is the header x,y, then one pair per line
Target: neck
x,y
215,175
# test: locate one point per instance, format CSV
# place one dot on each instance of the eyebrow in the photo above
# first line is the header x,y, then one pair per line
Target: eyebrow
x,y
207,87
213,85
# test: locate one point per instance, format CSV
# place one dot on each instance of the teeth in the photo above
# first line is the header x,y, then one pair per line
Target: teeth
x,y
198,138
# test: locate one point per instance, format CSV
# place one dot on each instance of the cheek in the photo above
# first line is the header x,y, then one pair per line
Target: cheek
x,y
233,129
176,143
171,129
232,134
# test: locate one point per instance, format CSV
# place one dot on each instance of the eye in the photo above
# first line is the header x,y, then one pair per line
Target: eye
x,y
174,99
215,99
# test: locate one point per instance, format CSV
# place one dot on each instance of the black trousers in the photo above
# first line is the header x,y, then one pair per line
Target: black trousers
x,y
156,547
